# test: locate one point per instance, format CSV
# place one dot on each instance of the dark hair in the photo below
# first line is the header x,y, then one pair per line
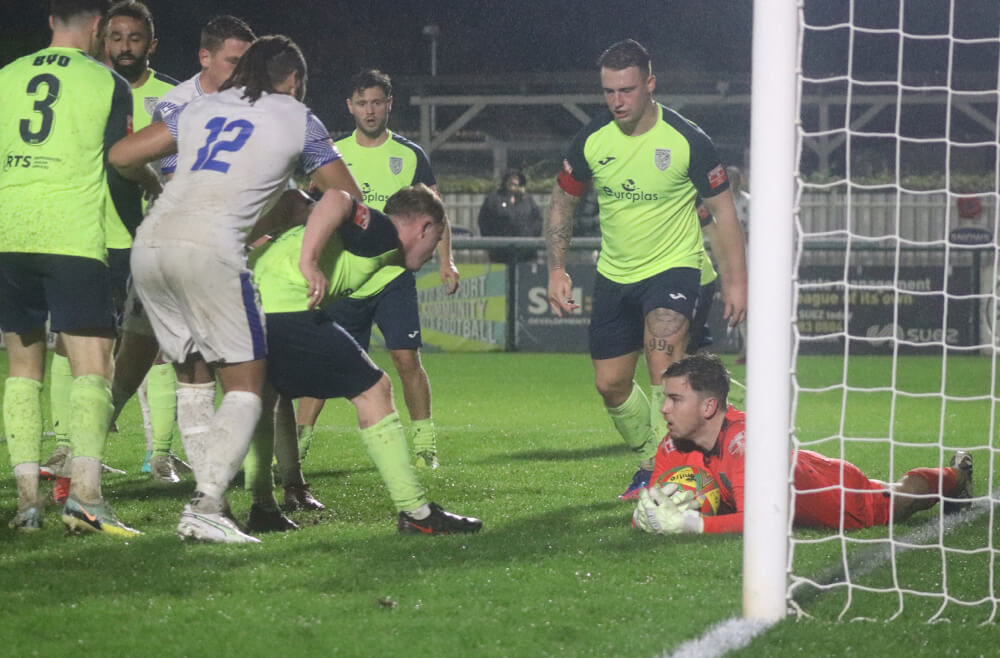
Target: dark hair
x,y
66,10
265,65
416,200
371,78
705,373
513,173
131,9
624,54
220,28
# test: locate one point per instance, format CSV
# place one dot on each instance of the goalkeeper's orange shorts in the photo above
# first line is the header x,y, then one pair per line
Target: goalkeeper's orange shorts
x,y
831,491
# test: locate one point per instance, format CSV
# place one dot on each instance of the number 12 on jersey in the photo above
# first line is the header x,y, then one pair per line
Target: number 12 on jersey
x,y
208,155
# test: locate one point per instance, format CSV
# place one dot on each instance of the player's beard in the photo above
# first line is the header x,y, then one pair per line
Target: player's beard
x,y
132,70
683,445
379,130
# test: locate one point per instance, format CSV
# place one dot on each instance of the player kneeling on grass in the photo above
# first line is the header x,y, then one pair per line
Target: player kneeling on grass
x,y
341,246
708,435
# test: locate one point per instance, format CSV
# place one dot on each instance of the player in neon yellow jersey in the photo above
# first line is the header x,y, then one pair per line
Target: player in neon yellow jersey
x,y
647,164
129,41
343,245
61,111
382,163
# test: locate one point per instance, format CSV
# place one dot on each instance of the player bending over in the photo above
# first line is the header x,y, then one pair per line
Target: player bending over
x,y
707,433
236,151
342,246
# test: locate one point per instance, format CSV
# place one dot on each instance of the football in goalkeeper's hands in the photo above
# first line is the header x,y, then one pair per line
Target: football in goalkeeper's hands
x,y
696,480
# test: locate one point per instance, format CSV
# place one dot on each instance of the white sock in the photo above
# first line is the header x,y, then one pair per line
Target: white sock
x,y
147,419
195,409
229,440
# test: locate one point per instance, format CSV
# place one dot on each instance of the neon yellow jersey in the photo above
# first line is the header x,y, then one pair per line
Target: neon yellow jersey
x,y
147,96
356,252
646,187
144,100
381,171
60,111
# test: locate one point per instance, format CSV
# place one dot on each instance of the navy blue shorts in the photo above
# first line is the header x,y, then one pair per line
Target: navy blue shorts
x,y
618,318
118,263
701,334
309,355
394,310
72,291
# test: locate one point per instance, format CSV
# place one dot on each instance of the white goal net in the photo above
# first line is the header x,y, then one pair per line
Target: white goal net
x,y
894,296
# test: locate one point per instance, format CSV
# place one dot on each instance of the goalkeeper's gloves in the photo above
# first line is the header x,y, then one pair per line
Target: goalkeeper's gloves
x,y
668,510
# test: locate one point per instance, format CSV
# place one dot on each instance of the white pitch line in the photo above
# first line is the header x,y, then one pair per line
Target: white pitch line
x,y
720,639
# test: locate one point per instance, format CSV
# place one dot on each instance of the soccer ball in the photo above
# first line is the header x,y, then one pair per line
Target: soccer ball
x,y
697,480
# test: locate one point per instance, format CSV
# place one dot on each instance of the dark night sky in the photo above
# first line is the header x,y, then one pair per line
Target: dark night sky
x,y
476,36
700,42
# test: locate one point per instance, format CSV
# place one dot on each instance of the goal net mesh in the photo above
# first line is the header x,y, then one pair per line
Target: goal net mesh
x,y
895,291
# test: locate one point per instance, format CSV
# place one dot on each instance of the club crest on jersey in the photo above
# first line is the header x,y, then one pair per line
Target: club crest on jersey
x,y
362,216
395,165
661,158
149,104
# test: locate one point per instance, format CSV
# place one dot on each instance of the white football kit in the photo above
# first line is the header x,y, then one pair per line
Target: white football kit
x,y
234,160
172,101
135,320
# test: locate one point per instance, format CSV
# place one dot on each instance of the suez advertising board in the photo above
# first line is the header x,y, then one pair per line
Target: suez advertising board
x,y
881,305
538,329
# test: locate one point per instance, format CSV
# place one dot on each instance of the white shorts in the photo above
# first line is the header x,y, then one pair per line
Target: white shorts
x,y
197,302
134,319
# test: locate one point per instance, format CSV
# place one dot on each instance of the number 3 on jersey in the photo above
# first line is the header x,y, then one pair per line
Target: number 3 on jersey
x,y
209,153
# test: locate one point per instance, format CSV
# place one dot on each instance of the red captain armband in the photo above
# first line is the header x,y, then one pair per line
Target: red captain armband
x,y
717,176
362,216
570,185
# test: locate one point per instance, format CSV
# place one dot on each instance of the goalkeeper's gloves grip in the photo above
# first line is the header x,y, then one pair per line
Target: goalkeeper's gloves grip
x,y
668,510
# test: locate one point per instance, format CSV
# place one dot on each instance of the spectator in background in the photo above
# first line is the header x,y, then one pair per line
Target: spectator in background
x,y
510,212
741,199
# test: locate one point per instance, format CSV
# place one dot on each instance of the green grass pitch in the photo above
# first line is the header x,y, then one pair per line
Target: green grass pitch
x,y
526,446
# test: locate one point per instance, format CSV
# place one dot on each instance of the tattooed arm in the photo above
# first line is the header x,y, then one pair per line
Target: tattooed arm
x,y
558,233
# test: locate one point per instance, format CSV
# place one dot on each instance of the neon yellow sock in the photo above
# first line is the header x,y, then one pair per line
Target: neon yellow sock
x,y
656,419
386,445
90,409
631,419
161,394
257,475
60,384
22,419
305,439
423,435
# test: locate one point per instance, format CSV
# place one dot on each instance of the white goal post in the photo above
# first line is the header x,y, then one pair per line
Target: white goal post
x,y
773,118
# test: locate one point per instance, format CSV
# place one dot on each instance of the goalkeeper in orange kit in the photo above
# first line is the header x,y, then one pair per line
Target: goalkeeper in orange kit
x,y
707,433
